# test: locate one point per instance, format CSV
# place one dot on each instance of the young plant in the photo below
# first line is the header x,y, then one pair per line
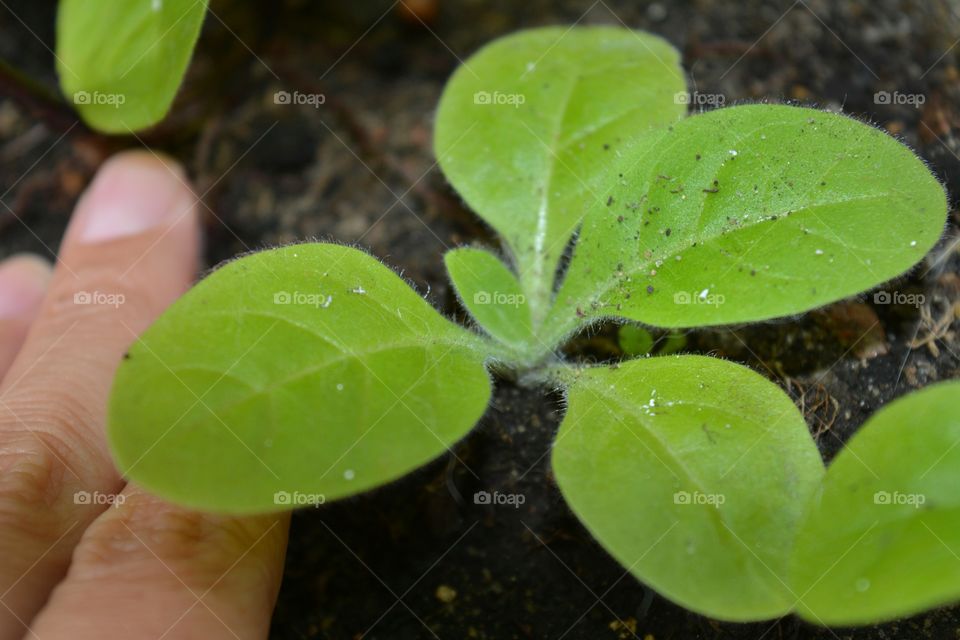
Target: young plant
x,y
313,371
121,62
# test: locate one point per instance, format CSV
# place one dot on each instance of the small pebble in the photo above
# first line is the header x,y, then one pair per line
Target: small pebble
x,y
446,594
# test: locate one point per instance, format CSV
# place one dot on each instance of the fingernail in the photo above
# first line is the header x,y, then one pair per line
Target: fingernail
x,y
132,193
23,283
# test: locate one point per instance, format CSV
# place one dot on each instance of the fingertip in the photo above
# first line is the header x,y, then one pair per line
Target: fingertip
x,y
133,192
23,282
24,279
148,158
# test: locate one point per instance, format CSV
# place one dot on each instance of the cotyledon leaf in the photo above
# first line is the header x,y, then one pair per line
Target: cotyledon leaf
x,y
882,540
289,376
693,472
748,213
529,126
121,62
492,295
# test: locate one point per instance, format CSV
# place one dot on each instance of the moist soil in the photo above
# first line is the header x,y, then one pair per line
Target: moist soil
x,y
417,558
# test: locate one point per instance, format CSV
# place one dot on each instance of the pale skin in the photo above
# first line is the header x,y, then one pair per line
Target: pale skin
x,y
83,569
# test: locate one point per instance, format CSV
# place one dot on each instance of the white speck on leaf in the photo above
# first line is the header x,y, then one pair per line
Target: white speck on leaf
x,y
358,290
913,243
349,474
340,386
733,152
156,5
818,252
703,294
327,302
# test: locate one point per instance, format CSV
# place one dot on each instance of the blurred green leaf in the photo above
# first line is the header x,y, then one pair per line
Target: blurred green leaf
x,y
121,62
634,340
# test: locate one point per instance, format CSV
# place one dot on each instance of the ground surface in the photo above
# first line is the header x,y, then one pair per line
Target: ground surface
x,y
359,169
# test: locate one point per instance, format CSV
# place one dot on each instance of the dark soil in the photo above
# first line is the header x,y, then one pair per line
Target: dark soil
x,y
419,559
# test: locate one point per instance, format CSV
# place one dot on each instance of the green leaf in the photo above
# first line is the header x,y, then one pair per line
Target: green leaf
x,y
634,340
121,62
693,473
882,541
673,342
530,126
492,295
311,370
749,213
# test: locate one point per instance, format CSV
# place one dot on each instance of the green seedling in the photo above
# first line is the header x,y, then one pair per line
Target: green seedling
x,y
121,62
313,372
635,340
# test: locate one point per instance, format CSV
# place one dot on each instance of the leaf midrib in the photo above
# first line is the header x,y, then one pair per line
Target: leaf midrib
x,y
555,148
